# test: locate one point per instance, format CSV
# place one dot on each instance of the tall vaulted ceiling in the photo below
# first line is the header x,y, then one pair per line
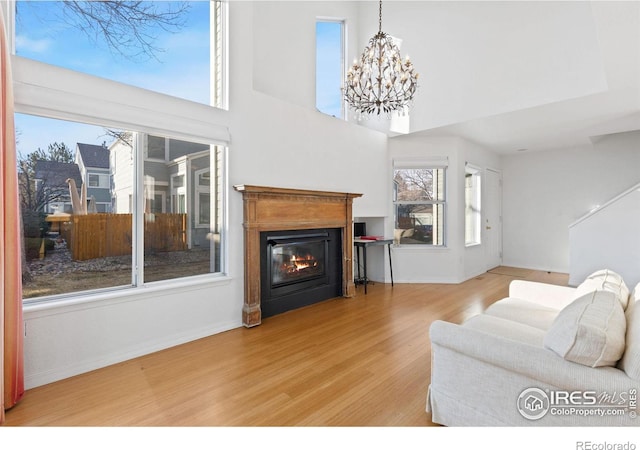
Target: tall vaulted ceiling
x,y
519,74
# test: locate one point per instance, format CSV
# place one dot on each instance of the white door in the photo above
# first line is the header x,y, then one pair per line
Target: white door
x,y
493,219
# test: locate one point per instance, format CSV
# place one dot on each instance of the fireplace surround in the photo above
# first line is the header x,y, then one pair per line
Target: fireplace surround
x,y
276,212
299,268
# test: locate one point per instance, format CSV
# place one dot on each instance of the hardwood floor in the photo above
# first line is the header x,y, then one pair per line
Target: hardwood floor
x,y
363,361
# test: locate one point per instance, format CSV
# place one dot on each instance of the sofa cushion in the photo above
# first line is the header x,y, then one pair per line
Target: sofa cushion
x,y
630,361
606,280
523,311
590,330
506,329
549,295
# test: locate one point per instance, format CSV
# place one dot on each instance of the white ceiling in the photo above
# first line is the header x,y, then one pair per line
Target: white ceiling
x,y
520,75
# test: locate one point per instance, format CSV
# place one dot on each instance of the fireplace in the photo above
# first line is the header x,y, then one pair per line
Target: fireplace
x,y
299,268
281,220
296,261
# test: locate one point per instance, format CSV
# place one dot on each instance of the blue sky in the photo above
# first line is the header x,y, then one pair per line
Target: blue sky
x,y
329,68
182,70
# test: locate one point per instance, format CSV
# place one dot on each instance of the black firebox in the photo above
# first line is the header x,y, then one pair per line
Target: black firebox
x,y
299,268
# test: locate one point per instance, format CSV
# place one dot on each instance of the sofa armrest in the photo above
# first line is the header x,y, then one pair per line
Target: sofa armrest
x,y
528,360
550,295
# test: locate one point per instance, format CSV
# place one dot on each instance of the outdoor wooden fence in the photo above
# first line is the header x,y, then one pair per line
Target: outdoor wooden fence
x,y
99,235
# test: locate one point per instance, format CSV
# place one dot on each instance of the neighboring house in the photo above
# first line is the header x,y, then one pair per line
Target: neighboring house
x,y
93,162
51,183
121,167
176,180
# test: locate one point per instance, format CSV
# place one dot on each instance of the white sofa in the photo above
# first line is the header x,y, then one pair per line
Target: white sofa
x,y
545,356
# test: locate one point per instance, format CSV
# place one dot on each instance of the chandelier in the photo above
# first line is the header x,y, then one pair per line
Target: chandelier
x,y
380,81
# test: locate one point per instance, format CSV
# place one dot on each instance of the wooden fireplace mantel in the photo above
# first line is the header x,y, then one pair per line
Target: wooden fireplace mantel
x,y
275,209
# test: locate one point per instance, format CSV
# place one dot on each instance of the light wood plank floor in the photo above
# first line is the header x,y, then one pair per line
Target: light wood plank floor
x,y
363,361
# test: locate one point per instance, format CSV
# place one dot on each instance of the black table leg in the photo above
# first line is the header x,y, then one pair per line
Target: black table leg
x,y
364,255
390,264
358,260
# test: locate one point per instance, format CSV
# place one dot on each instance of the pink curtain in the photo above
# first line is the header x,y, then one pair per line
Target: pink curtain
x,y
11,334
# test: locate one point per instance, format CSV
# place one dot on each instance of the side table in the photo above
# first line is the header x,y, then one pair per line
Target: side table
x,y
363,244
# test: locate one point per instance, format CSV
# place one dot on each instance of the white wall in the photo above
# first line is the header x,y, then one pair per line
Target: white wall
x,y
274,142
544,192
422,264
478,59
607,238
475,257
284,45
279,139
454,262
280,144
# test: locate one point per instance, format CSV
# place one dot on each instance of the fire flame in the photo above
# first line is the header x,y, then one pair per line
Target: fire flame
x,y
297,264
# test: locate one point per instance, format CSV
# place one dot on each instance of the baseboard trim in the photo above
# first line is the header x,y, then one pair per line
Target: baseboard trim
x,y
57,374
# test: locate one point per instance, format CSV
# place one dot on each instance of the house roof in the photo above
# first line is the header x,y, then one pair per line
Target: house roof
x,y
95,156
55,174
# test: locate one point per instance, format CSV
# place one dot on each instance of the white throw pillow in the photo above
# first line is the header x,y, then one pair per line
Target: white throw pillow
x,y
606,280
630,361
590,330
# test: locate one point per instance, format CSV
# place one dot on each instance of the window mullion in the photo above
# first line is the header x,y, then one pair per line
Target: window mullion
x,y
189,206
137,218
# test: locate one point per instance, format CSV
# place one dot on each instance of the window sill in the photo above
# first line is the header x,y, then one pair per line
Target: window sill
x,y
120,295
421,247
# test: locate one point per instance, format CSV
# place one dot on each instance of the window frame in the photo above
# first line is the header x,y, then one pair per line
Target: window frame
x,y
218,50
147,145
103,180
431,164
163,201
473,224
343,63
58,93
52,91
201,190
219,71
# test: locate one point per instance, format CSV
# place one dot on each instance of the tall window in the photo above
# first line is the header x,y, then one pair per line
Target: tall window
x,y
419,202
164,46
120,186
330,67
472,206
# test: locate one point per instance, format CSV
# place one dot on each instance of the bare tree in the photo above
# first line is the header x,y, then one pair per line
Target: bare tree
x,y
126,137
128,28
35,194
37,190
414,184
